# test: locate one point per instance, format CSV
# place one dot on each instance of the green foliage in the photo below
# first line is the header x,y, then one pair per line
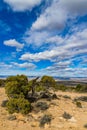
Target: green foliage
x,y
18,105
3,104
61,87
21,79
81,88
17,89
17,85
78,87
48,81
39,88
12,105
12,88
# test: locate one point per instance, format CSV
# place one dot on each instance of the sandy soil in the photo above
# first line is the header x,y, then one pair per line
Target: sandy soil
x,y
56,109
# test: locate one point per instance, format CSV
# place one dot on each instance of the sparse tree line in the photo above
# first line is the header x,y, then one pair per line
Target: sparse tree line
x,y
21,91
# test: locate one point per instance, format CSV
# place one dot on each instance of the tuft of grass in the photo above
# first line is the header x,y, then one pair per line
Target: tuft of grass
x,y
67,115
78,104
46,119
42,105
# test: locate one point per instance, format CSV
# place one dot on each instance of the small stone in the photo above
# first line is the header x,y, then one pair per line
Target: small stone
x,y
35,124
62,119
73,120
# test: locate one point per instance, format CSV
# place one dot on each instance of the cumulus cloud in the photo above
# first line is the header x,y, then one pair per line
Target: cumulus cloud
x,y
57,14
36,38
66,72
73,45
23,5
25,65
75,7
5,66
52,19
14,43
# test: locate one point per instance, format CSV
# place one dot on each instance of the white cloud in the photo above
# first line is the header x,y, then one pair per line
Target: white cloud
x,y
36,38
52,21
46,55
73,45
53,18
75,7
5,66
22,5
57,14
25,65
66,72
58,40
14,43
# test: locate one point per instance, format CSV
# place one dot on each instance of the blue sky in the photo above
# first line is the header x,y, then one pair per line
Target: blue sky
x,y
43,37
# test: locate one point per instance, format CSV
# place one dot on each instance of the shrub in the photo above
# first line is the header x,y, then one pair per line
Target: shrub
x,y
61,87
24,106
66,115
48,81
78,87
4,103
12,88
21,79
82,98
12,106
54,96
45,120
78,104
42,105
39,88
18,105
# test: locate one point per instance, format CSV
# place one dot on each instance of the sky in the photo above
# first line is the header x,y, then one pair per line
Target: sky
x,y
43,37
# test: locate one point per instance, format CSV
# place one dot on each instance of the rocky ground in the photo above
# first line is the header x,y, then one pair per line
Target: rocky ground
x,y
64,113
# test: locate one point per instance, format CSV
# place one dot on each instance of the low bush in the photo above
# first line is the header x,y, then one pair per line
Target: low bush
x,y
3,104
78,104
39,88
18,105
46,119
67,115
81,88
82,98
42,105
61,87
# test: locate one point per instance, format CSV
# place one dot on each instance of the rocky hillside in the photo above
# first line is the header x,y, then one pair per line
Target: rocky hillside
x,y
66,111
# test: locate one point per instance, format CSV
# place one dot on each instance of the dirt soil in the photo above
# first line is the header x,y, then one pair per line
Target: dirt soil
x,y
56,109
